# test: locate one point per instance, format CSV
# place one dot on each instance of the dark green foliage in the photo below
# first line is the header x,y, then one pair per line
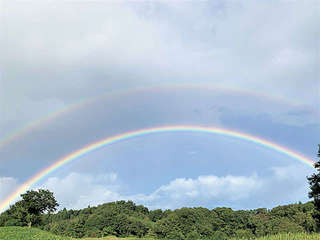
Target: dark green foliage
x,y
38,202
314,182
108,231
28,210
15,216
156,215
175,235
194,235
124,218
119,218
218,235
185,221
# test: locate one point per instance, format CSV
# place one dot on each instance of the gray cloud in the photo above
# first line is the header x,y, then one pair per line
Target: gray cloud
x,y
100,46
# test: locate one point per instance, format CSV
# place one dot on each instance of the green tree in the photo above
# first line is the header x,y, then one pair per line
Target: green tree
x,y
175,235
194,235
218,235
108,231
28,210
314,182
155,215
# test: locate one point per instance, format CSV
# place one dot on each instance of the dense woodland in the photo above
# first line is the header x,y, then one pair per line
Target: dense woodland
x,y
125,218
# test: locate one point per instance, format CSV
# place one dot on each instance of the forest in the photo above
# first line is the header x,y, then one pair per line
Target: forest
x,y
125,218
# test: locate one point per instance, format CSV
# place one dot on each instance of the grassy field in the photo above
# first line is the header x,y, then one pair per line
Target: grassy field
x,y
15,233
18,233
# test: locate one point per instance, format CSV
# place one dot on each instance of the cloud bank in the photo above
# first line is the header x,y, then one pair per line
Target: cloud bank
x,y
80,190
95,47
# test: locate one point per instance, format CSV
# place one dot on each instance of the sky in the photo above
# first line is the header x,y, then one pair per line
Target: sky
x,y
74,72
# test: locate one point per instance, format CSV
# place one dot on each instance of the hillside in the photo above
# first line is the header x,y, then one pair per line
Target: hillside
x,y
20,233
126,219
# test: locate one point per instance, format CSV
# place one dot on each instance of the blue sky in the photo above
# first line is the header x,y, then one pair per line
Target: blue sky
x,y
259,57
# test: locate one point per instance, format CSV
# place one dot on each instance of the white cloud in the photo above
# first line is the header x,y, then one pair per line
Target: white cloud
x,y
80,190
187,191
284,185
231,187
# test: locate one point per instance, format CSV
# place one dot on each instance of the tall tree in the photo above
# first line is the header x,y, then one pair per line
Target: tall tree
x,y
28,210
314,182
37,203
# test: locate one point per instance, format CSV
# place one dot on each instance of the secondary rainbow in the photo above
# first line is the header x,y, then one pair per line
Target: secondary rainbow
x,y
147,131
73,107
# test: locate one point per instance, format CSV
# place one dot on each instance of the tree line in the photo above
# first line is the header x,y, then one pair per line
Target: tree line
x,y
125,218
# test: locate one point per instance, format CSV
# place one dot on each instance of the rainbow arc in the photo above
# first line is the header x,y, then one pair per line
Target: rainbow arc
x,y
143,132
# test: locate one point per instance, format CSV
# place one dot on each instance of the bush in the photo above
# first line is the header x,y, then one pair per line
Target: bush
x,y
175,235
194,235
218,235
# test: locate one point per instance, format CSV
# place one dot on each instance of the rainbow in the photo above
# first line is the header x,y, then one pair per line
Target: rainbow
x,y
143,132
75,106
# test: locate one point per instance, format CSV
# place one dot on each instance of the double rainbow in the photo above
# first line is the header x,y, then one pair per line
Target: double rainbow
x,y
147,131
